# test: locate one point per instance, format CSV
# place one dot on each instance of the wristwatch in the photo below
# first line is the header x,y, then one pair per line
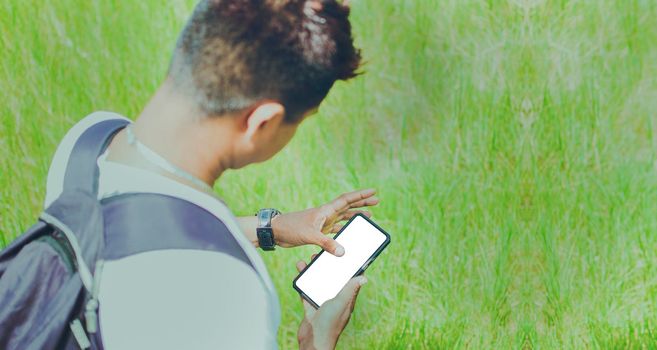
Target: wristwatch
x,y
264,231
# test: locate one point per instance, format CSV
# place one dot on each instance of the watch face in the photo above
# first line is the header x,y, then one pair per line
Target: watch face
x,y
265,216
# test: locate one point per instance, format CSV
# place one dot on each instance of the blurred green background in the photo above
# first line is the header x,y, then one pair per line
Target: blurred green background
x,y
513,143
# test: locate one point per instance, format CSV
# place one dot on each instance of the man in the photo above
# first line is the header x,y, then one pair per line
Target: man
x,y
244,75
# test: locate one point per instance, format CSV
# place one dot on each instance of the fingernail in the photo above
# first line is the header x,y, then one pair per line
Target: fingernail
x,y
363,280
339,251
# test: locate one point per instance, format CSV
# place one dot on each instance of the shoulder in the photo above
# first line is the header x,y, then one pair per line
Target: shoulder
x,y
57,169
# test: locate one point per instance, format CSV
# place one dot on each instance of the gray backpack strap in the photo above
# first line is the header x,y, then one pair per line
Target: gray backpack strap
x,y
76,213
82,170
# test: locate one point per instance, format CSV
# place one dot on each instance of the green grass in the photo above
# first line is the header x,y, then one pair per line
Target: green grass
x,y
514,145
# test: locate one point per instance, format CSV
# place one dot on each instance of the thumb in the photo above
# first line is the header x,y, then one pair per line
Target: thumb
x,y
330,245
347,296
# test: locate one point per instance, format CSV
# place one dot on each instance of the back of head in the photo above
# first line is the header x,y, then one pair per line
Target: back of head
x,y
234,53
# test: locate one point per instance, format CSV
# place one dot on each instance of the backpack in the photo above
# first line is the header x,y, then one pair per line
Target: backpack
x,y
50,275
47,285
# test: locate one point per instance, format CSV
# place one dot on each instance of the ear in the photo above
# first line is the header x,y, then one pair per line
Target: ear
x,y
268,113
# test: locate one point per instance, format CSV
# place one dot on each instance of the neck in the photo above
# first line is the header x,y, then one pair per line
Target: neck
x,y
170,125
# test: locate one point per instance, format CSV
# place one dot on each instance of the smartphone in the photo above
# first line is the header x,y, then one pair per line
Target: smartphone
x,y
327,274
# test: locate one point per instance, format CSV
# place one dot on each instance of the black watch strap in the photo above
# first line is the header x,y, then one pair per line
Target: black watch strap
x,y
264,230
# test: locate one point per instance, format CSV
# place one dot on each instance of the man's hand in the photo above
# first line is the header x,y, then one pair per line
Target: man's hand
x,y
311,226
321,328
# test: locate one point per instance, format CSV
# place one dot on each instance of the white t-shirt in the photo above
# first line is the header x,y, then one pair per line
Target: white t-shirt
x,y
175,298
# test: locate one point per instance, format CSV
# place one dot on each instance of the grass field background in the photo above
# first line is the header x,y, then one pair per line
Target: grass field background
x,y
513,143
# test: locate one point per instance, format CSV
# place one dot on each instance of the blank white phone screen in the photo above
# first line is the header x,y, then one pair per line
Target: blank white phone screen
x,y
324,279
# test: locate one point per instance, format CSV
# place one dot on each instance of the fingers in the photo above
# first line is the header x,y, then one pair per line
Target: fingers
x,y
330,245
301,265
348,214
367,202
345,216
354,199
335,228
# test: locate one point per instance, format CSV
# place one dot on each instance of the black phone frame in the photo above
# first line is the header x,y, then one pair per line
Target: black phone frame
x,y
362,269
